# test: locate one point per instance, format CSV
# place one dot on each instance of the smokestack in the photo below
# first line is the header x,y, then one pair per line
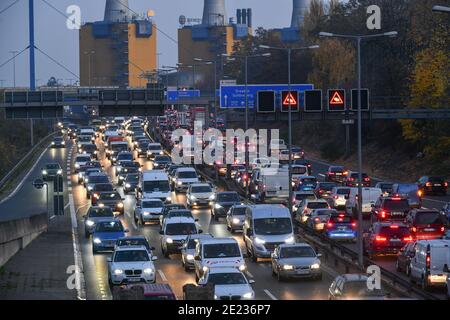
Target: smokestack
x,y
117,11
249,18
239,16
214,13
244,16
298,12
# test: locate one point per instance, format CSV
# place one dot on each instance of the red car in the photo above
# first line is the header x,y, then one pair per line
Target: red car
x,y
426,224
386,238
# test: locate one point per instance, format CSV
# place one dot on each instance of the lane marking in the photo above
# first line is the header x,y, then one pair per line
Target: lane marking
x,y
19,186
433,200
81,284
162,275
271,296
66,206
134,225
249,274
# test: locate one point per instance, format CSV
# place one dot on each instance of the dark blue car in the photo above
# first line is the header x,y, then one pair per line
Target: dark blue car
x,y
341,227
106,233
307,184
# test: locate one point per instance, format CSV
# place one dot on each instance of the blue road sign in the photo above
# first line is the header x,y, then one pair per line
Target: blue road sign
x,y
233,97
182,94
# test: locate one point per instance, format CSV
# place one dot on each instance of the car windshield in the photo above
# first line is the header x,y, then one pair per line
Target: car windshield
x,y
201,189
132,178
168,208
297,252
187,175
407,188
179,213
309,180
53,166
394,205
227,278
228,197
273,226
192,243
98,179
165,159
221,250
131,256
180,229
157,185
428,218
109,196
111,226
240,211
303,196
299,170
359,289
435,179
128,157
341,219
394,230
83,159
343,191
336,169
103,187
327,186
152,204
386,186
101,212
317,205
133,242
154,148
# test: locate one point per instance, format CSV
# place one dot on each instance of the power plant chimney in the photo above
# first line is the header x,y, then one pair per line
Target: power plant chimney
x,y
214,13
300,7
117,11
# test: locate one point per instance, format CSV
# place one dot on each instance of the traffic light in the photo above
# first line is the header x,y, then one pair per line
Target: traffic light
x,y
336,100
313,101
364,100
289,98
266,101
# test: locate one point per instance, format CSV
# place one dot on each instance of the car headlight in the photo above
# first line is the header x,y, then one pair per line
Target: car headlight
x,y
179,183
89,188
248,295
291,239
120,204
146,213
119,169
169,240
155,164
315,266
193,198
59,171
63,143
148,271
97,240
242,267
211,197
259,240
169,198
44,172
77,165
127,185
236,220
121,177
205,269
53,143
114,158
118,272
288,267
161,152
217,206
216,297
190,257
90,223
139,150
149,152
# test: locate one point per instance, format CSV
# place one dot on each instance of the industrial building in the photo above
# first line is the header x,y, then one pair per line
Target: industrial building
x,y
214,36
292,33
119,50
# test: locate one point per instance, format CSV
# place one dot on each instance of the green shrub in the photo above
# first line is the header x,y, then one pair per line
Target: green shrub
x,y
331,151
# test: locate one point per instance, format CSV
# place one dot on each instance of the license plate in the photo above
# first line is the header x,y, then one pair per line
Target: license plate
x,y
342,228
134,279
437,185
320,225
301,271
429,229
395,240
396,213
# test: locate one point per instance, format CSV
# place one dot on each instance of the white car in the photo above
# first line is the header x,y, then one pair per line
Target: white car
x,y
81,160
185,177
278,144
154,149
307,206
337,197
175,232
229,284
199,194
130,265
148,210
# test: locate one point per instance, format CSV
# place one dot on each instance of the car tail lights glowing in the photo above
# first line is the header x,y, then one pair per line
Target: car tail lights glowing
x,y
383,214
408,239
380,239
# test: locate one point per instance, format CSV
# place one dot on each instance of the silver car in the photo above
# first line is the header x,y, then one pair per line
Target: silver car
x,y
188,250
296,261
235,217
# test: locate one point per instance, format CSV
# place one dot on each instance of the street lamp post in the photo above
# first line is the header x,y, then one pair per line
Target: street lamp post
x,y
289,52
359,39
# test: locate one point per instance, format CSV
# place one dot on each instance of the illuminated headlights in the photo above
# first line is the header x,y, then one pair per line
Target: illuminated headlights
x,y
161,152
259,240
242,267
120,205
77,165
236,220
211,197
146,213
217,206
121,177
193,198
148,271
169,199
127,185
59,171
315,266
63,143
89,223
119,169
90,188
118,272
248,295
190,257
205,269
53,143
169,240
44,172
97,240
290,240
179,183
288,267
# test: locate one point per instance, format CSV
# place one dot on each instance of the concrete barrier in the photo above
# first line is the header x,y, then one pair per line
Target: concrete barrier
x,y
17,234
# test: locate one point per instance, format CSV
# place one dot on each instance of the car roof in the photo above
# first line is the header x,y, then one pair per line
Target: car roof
x,y
294,245
200,185
201,236
354,277
218,240
226,192
269,211
101,220
315,200
82,155
127,248
179,220
224,270
185,169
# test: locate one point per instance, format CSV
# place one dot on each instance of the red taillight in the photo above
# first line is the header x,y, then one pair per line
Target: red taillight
x,y
414,229
393,226
428,260
329,225
351,179
408,239
383,214
446,184
396,198
330,173
428,184
316,219
442,229
309,166
366,179
335,197
380,239
341,215
354,225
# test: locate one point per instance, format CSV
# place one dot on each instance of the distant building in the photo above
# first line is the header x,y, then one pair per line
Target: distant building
x,y
118,50
215,35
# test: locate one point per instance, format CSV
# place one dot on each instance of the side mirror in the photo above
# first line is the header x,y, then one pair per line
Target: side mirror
x,y
319,255
197,258
346,197
126,231
251,281
152,248
161,232
109,259
372,205
84,217
200,231
196,220
154,258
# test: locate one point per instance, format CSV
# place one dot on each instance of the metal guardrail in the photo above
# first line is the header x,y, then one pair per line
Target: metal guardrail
x,y
24,159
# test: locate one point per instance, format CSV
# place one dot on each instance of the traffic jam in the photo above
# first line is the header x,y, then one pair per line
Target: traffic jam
x,y
214,222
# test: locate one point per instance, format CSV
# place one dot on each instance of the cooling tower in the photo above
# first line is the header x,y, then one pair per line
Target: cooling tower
x,y
117,11
214,13
300,7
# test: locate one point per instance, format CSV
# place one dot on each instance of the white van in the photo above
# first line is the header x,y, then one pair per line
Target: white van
x,y
430,263
217,253
271,186
154,184
266,227
369,197
175,232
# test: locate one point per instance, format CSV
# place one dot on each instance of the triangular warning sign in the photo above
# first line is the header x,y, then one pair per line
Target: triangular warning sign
x,y
290,100
336,99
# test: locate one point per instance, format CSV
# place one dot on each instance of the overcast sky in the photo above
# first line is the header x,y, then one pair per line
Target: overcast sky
x,y
60,43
